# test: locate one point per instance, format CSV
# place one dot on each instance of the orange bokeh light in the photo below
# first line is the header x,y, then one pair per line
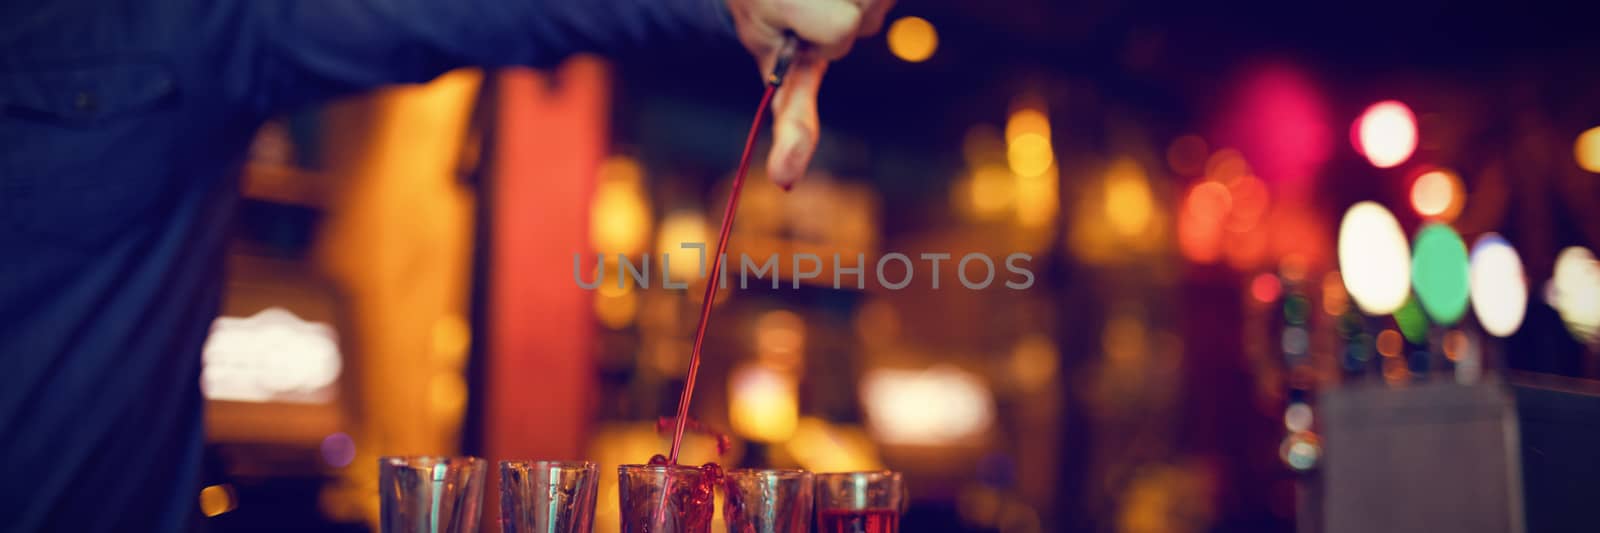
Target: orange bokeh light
x,y
1438,195
1386,134
1389,343
1200,223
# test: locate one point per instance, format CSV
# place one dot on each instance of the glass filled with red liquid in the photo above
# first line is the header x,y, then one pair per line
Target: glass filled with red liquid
x,y
666,498
767,501
859,502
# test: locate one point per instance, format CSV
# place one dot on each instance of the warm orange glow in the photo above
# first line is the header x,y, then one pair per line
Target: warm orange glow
x,y
1226,165
1334,300
1438,195
1246,251
781,339
1034,362
217,499
619,221
1037,200
821,447
1587,150
1209,201
1124,339
1386,133
913,39
616,307
1029,154
1455,345
1200,224
1250,200
1128,199
987,194
685,226
1389,343
1027,120
1395,371
762,403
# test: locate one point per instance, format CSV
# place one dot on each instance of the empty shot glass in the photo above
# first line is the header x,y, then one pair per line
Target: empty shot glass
x,y
666,498
767,501
548,496
425,494
859,502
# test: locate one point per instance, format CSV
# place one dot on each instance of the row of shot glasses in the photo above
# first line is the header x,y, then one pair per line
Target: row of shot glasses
x,y
425,494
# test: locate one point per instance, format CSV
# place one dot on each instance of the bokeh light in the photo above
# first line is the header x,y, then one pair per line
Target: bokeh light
x,y
1226,165
1390,344
1276,114
1395,371
1386,133
1575,292
940,405
1374,259
680,227
1297,417
912,39
338,449
1038,200
1587,150
616,305
1439,270
1412,321
1128,198
1265,288
1456,345
822,447
619,216
1200,222
1029,154
1034,362
1335,301
1499,288
1438,195
218,499
1250,200
988,193
1300,451
762,403
780,338
1025,120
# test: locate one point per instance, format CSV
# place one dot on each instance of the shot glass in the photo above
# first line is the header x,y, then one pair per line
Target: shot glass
x,y
859,502
665,498
423,494
767,501
548,496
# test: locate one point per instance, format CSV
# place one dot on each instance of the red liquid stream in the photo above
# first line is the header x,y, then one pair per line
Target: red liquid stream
x,y
716,273
858,521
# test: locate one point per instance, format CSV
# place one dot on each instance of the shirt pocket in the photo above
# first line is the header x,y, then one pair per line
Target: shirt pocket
x,y
85,150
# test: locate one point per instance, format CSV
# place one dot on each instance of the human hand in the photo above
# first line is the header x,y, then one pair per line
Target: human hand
x,y
827,28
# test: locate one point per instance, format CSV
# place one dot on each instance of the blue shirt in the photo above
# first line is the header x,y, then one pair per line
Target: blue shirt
x,y
123,124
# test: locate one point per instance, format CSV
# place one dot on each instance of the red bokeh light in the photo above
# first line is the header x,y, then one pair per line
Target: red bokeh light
x,y
1265,288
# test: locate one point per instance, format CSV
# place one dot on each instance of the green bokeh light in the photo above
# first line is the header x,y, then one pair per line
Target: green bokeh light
x,y
1439,273
1412,323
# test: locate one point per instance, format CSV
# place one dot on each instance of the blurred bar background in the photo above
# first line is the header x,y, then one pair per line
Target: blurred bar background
x,y
402,277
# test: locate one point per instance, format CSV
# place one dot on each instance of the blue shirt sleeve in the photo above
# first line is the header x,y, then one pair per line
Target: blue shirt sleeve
x,y
312,50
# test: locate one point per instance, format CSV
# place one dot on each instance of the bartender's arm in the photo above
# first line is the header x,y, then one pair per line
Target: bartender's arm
x,y
310,50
